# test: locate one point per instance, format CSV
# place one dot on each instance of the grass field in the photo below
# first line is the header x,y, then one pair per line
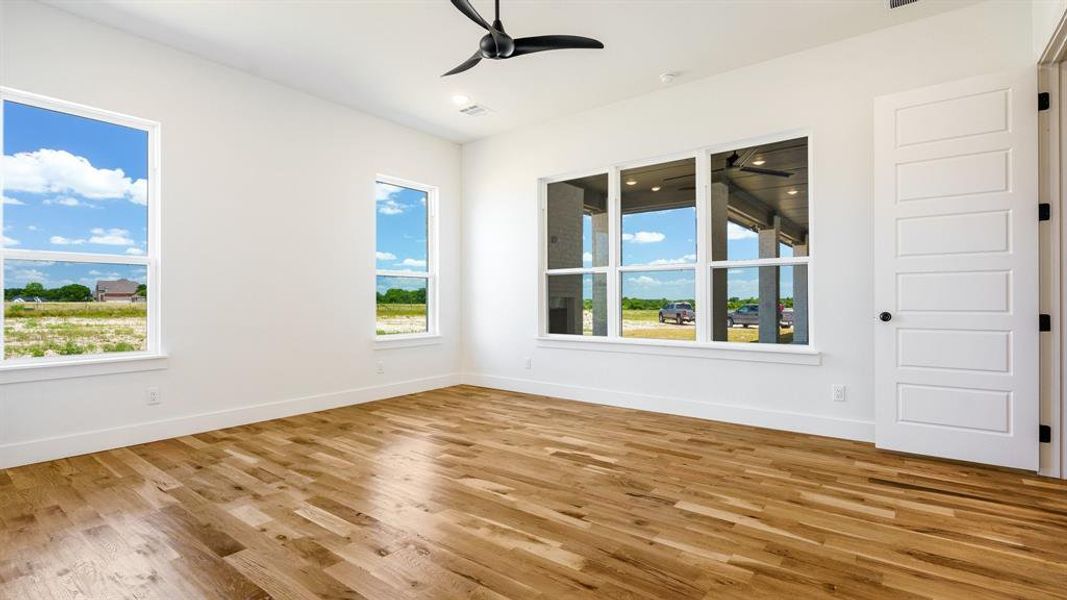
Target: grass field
x,y
645,324
66,328
401,318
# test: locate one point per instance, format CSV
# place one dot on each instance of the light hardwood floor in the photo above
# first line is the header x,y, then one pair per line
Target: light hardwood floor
x,y
475,493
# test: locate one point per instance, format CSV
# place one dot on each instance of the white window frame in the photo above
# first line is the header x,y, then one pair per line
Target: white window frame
x,y
430,274
150,260
703,346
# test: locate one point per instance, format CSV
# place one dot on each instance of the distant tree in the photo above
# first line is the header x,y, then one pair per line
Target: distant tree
x,y
142,290
69,293
399,296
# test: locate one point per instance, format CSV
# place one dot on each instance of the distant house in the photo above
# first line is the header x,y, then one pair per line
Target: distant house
x,y
120,290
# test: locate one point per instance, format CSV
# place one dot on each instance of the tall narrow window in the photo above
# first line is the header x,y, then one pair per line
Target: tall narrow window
x,y
758,228
659,235
577,256
80,258
404,258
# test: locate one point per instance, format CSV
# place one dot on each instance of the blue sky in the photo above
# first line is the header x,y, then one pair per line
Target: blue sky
x,y
667,237
400,228
18,273
410,284
73,184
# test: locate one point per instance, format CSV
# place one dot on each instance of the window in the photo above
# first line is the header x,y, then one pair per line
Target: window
x,y
404,257
711,248
80,242
577,249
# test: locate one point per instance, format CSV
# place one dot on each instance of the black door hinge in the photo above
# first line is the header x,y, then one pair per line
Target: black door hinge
x,y
1044,434
1045,323
1044,101
1044,211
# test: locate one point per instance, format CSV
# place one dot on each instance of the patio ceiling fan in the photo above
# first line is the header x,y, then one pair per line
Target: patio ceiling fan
x,y
498,45
735,162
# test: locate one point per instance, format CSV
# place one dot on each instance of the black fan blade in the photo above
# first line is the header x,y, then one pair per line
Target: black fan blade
x,y
762,171
470,62
540,43
465,7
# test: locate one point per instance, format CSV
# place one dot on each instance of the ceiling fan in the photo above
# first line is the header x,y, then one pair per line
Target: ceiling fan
x,y
734,162
498,45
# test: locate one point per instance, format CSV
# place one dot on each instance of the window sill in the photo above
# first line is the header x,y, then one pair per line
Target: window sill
x,y
406,341
798,355
66,368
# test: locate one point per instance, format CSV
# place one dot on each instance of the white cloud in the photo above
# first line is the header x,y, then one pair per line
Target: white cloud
x,y
390,207
647,281
134,251
95,272
385,195
412,262
10,242
139,192
58,171
59,240
688,258
644,280
736,232
31,227
63,201
384,191
111,237
28,275
587,257
384,256
13,201
644,237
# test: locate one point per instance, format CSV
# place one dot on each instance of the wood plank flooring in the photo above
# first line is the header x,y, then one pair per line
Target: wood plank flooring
x,y
474,493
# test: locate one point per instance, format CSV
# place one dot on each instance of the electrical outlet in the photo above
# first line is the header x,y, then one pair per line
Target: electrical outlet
x,y
152,396
838,392
381,368
528,363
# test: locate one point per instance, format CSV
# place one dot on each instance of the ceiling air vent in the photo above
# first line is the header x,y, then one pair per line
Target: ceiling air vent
x,y
899,3
475,110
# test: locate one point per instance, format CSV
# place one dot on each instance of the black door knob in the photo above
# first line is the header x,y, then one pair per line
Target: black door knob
x,y
885,316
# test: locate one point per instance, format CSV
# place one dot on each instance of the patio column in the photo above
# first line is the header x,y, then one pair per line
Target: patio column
x,y
719,200
565,248
600,256
769,284
800,296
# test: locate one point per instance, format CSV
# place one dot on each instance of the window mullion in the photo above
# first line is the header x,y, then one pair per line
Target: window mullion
x,y
702,273
614,284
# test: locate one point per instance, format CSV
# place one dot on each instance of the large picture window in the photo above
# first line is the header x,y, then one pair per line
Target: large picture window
x,y
404,259
710,248
80,239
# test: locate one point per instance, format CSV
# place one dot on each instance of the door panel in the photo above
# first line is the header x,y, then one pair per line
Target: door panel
x,y
955,239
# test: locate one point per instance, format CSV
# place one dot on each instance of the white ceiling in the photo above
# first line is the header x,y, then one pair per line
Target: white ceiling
x,y
385,57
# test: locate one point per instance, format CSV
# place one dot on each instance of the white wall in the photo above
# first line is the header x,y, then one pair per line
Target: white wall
x,y
829,90
268,245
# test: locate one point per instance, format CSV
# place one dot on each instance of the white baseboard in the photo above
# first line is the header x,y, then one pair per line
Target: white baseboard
x,y
39,450
849,429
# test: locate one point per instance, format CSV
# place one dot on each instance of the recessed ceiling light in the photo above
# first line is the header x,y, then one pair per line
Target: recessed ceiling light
x,y
759,162
668,77
792,192
631,182
656,188
460,99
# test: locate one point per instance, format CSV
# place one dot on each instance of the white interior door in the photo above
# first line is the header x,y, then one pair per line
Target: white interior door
x,y
956,270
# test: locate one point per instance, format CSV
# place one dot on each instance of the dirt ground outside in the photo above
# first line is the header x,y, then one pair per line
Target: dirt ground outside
x,y
70,328
645,324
